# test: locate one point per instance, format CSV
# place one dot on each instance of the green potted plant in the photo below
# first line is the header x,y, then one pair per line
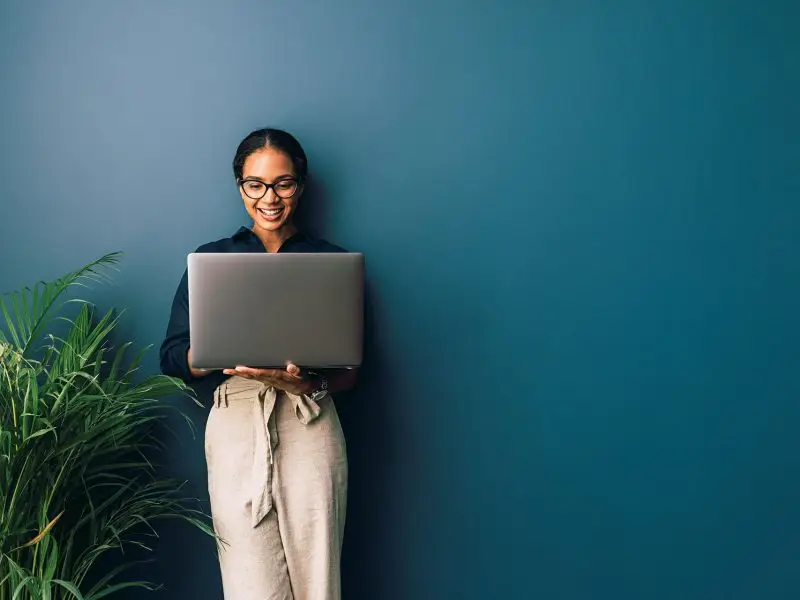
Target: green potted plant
x,y
78,433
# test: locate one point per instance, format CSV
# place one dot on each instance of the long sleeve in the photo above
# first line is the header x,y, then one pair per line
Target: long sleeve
x,y
175,346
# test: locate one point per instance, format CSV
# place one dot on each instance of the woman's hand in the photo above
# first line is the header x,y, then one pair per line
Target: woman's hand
x,y
196,373
293,380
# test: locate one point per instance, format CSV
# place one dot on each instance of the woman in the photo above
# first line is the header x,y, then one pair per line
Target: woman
x,y
277,462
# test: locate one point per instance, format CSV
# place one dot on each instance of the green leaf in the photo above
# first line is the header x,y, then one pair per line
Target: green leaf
x,y
44,431
70,587
27,584
12,330
52,561
113,589
22,321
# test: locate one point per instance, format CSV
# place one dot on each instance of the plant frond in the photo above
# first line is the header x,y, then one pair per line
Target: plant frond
x,y
79,447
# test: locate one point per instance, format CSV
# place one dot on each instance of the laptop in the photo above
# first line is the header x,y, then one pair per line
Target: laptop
x,y
264,310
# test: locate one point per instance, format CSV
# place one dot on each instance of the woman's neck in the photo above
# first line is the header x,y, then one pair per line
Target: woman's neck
x,y
273,240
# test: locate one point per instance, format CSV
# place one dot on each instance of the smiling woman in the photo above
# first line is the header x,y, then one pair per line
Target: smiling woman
x,y
279,507
271,160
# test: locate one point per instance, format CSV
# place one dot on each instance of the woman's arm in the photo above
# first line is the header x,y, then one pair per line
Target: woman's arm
x,y
175,355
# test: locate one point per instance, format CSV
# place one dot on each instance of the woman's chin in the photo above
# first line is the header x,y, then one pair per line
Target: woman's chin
x,y
270,224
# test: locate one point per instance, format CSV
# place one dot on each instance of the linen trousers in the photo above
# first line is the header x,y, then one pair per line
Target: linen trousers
x,y
277,478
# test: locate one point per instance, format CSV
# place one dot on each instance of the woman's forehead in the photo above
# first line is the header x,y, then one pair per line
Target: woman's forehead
x,y
267,163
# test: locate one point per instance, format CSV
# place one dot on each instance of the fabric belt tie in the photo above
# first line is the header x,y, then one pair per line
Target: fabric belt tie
x,y
265,433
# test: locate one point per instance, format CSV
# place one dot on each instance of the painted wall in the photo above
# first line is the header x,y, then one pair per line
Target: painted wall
x,y
581,224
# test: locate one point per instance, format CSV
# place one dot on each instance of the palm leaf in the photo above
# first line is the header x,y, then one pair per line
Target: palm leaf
x,y
44,297
70,587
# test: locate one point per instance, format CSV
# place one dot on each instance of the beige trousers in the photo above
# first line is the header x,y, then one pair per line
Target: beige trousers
x,y
277,477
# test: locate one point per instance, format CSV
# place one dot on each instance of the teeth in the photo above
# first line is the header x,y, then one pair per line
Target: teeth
x,y
271,212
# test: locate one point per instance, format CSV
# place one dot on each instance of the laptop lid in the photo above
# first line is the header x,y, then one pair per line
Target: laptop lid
x,y
268,309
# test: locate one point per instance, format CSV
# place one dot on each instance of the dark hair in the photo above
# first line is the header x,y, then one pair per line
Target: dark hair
x,y
271,138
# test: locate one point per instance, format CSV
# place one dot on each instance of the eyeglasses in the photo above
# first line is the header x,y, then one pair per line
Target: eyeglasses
x,y
257,189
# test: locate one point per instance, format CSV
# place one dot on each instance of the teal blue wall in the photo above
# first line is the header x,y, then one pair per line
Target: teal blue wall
x,y
582,224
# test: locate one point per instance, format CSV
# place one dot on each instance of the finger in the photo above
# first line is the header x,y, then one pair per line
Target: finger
x,y
283,375
295,371
258,373
241,373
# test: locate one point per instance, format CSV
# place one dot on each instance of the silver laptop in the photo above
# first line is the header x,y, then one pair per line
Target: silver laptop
x,y
265,310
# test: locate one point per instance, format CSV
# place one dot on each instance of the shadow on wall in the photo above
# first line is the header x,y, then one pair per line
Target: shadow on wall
x,y
372,451
372,454
312,213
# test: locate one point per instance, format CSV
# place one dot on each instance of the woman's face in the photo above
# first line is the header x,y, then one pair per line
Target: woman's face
x,y
269,166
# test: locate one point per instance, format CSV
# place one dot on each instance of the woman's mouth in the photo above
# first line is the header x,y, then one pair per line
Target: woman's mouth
x,y
270,214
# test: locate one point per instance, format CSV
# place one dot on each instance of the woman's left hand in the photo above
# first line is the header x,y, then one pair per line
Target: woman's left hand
x,y
293,380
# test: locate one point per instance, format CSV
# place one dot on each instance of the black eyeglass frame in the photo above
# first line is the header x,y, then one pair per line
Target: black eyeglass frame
x,y
297,184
